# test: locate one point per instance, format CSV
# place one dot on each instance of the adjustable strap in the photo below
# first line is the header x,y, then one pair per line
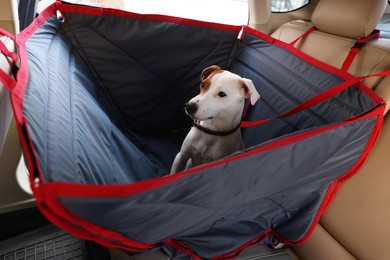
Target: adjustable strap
x,y
6,79
311,29
359,44
317,99
8,53
8,82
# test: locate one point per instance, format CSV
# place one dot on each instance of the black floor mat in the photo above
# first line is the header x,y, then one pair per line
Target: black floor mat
x,y
47,242
21,221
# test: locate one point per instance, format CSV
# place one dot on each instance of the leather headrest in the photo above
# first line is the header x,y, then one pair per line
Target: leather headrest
x,y
348,18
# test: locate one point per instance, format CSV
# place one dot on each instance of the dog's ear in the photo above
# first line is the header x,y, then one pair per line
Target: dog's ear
x,y
250,90
207,71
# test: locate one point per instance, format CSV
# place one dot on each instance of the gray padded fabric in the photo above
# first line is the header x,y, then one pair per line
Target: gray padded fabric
x,y
104,106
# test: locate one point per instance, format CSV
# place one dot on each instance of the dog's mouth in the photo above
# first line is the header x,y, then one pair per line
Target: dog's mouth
x,y
200,118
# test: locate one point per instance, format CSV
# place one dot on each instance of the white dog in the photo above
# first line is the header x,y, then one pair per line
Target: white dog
x,y
216,113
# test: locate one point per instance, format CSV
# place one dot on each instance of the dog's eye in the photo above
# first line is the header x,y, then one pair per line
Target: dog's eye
x,y
221,94
202,84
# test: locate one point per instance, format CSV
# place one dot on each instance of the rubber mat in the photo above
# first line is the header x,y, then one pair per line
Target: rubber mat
x,y
48,242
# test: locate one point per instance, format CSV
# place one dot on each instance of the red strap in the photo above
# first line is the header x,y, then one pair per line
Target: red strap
x,y
303,35
7,80
348,60
359,44
8,53
316,99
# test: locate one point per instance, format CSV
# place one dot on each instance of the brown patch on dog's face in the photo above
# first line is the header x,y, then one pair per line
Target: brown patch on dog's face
x,y
206,77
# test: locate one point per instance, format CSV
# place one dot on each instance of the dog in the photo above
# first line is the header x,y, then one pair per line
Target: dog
x,y
216,113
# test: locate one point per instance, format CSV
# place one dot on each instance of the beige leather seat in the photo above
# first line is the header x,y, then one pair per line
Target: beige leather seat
x,y
357,223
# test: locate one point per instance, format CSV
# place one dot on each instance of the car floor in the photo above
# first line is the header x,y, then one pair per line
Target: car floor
x,y
47,242
26,234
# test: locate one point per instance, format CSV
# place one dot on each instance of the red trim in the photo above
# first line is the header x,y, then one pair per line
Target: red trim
x,y
330,194
369,92
97,11
333,70
336,71
47,193
336,184
22,75
60,189
24,35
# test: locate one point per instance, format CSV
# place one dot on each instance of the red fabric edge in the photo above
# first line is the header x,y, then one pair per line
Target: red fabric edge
x,y
98,11
61,189
319,64
46,193
336,184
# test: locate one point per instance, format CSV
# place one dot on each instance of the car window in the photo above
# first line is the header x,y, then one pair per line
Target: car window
x,y
234,12
281,6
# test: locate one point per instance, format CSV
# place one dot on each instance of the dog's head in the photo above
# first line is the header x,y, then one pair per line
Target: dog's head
x,y
221,95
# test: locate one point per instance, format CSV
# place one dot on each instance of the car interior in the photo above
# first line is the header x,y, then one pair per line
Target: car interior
x,y
356,225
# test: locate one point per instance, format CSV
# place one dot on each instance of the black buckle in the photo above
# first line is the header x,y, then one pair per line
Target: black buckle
x,y
359,45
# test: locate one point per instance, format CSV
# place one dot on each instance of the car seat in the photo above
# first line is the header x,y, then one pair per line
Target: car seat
x,y
356,225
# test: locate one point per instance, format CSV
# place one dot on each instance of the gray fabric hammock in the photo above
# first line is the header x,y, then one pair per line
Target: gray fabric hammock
x,y
98,100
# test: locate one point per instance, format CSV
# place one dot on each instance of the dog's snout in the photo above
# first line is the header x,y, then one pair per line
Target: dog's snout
x,y
191,108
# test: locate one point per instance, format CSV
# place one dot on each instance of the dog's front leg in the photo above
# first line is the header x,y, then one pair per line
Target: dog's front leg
x,y
180,162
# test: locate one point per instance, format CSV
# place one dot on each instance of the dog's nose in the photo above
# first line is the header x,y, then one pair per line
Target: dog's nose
x,y
191,108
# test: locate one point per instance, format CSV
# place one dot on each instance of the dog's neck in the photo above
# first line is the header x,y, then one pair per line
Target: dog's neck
x,y
216,132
